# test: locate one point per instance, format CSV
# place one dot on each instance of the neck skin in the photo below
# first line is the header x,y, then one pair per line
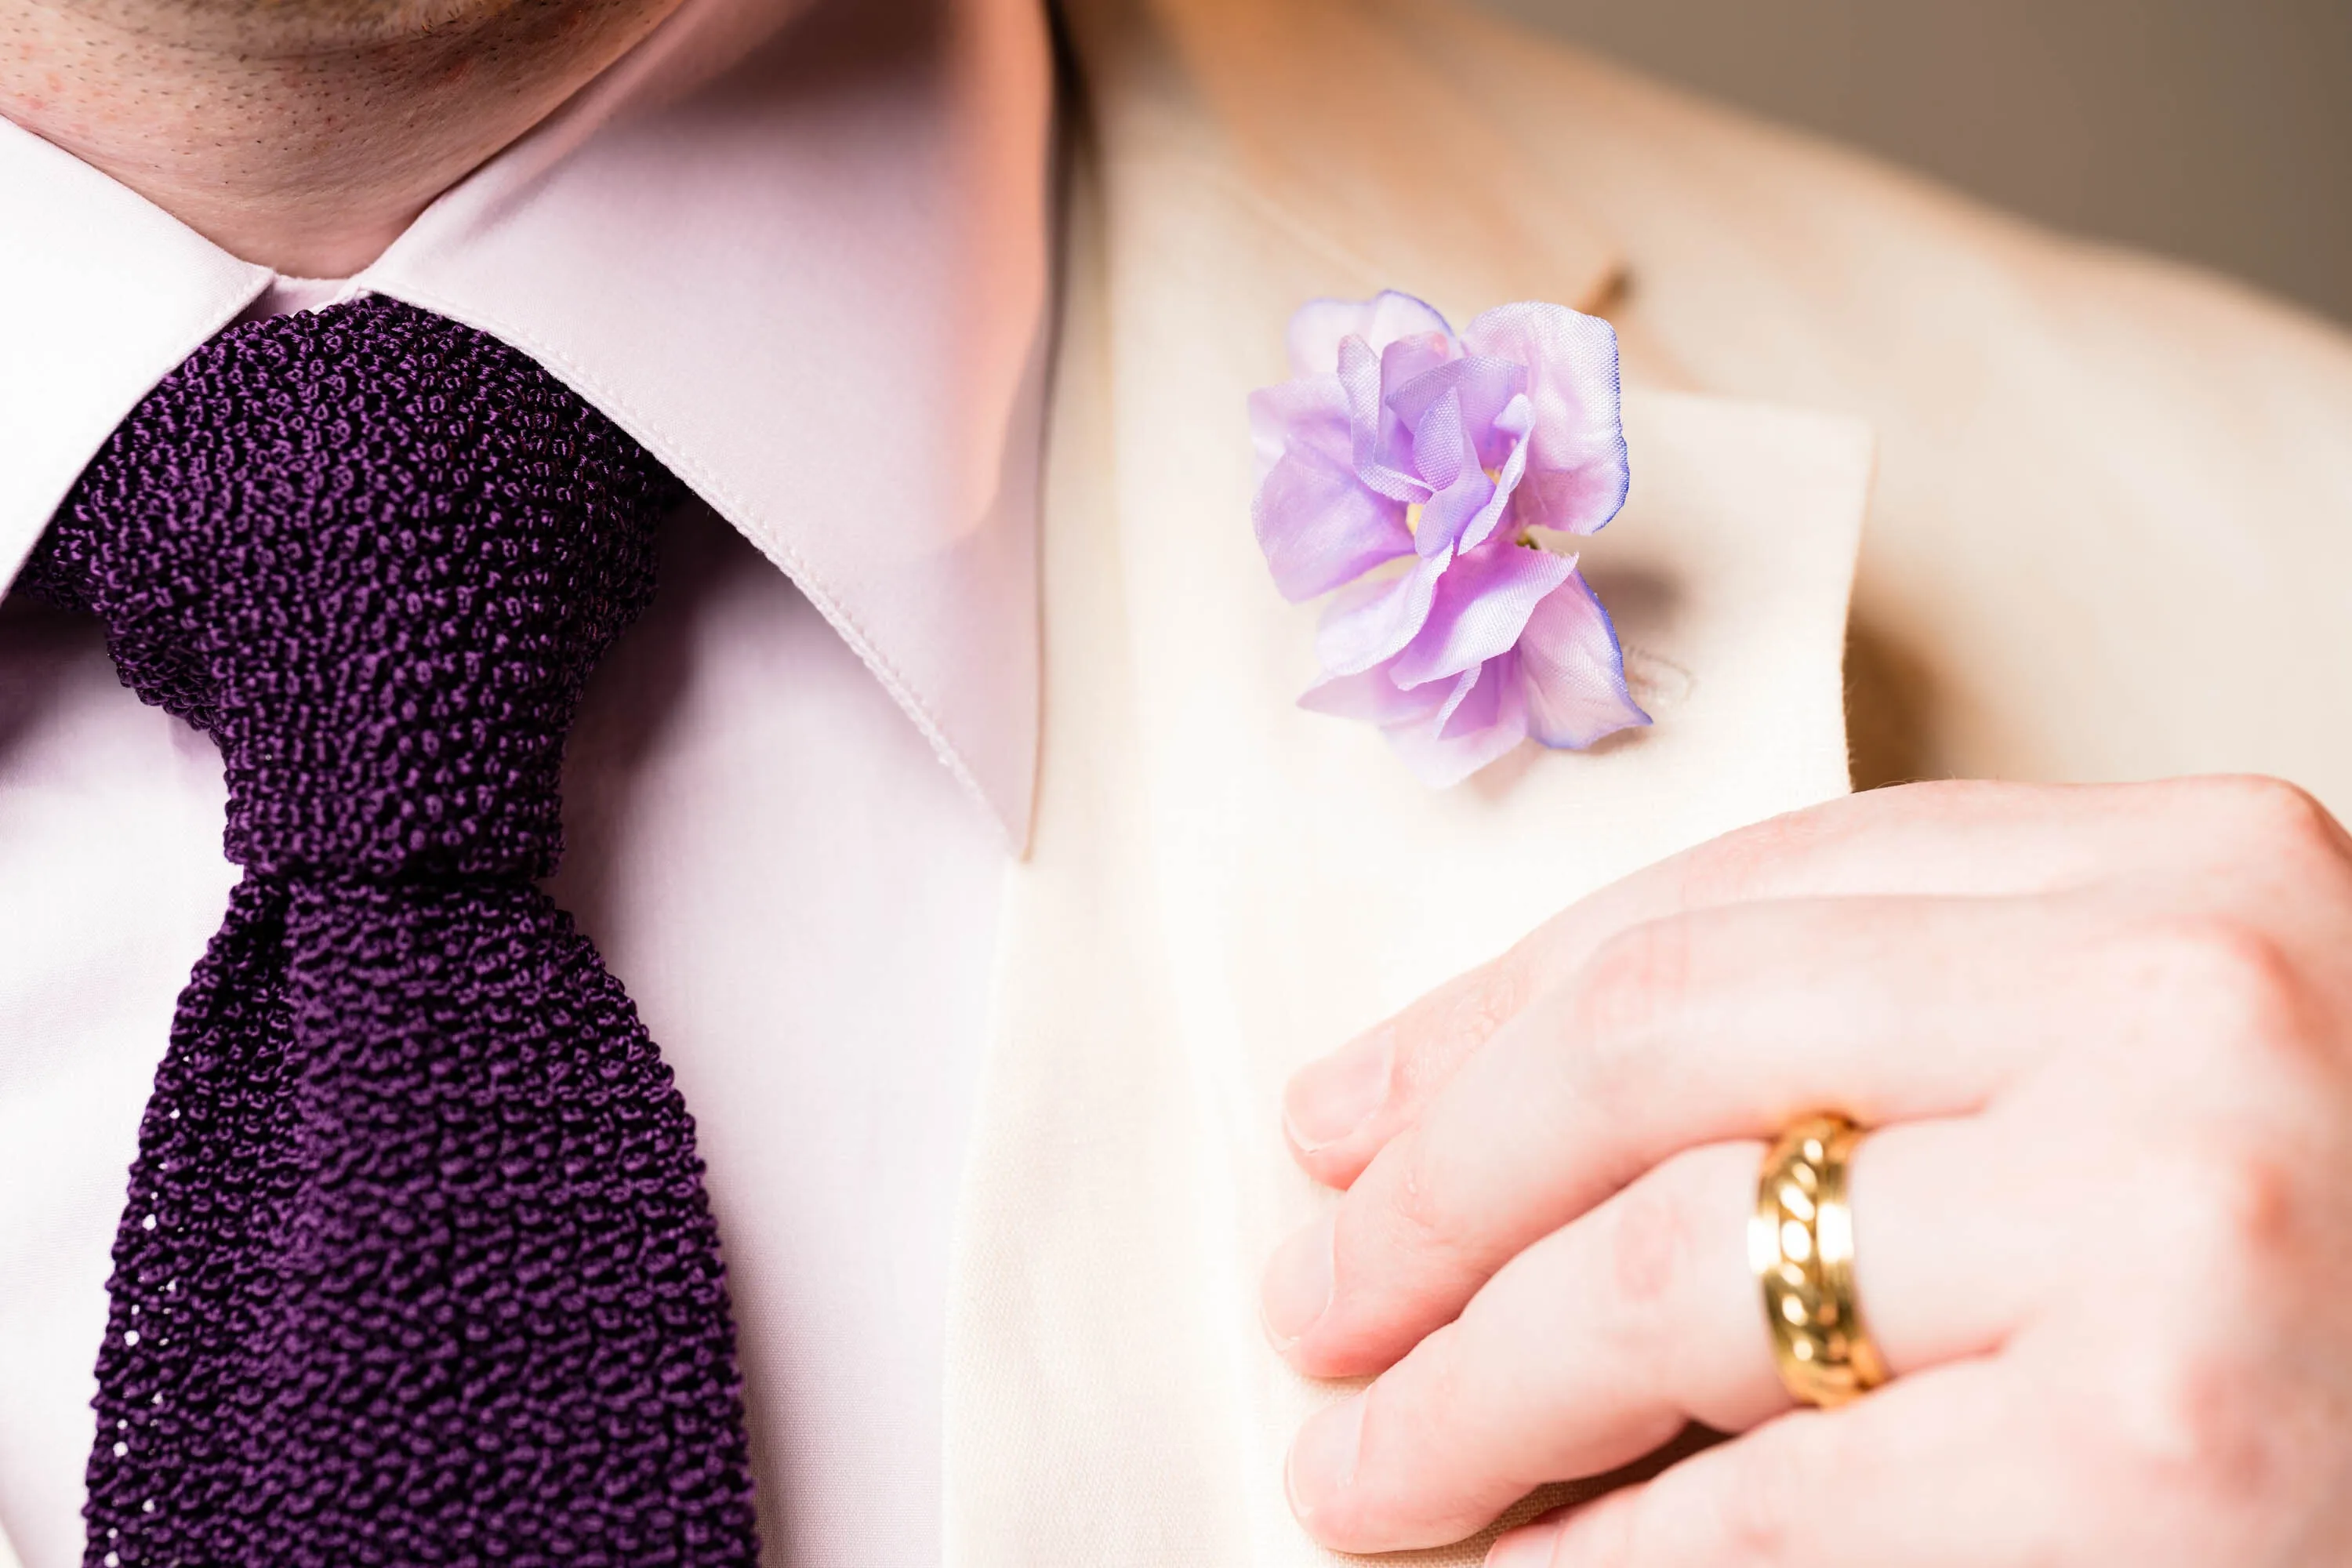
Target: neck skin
x,y
302,135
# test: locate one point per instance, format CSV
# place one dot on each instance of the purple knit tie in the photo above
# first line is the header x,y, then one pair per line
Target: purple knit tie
x,y
417,1267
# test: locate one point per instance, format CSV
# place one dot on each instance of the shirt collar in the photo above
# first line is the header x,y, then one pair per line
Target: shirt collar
x,y
800,252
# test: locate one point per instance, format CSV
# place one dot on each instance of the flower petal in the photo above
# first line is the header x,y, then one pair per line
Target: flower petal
x,y
1445,457
1373,696
1574,672
1486,385
1440,444
1374,621
1317,326
1311,411
1476,702
1423,359
1448,748
1480,607
1511,425
1467,416
1577,473
1407,361
1372,427
1450,514
1319,527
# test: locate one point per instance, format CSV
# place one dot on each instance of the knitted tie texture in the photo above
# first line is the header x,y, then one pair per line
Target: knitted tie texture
x,y
417,1265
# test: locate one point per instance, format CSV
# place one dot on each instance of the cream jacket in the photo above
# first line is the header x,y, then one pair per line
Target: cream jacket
x,y
2109,533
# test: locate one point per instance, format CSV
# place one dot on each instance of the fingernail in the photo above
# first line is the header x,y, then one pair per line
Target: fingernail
x,y
1323,1456
1529,1548
1297,1285
1329,1099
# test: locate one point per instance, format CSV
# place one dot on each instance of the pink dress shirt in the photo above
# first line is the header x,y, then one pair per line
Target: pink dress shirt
x,y
800,252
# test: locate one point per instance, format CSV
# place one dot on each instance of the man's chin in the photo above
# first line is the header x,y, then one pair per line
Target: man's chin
x,y
292,28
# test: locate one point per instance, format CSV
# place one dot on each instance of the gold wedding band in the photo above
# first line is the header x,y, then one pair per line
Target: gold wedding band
x,y
1801,1244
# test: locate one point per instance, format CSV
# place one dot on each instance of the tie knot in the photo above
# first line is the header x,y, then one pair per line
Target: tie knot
x,y
375,554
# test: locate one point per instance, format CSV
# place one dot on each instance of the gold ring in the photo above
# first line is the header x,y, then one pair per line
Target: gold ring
x,y
1801,1244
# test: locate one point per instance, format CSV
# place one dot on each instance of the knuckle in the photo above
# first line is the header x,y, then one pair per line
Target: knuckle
x,y
1426,1400
1419,1217
2234,1218
1634,980
1734,867
1608,1534
1464,1016
1650,1241
2269,813
2273,829
2220,979
1952,797
2199,1429
1770,1487
1759,859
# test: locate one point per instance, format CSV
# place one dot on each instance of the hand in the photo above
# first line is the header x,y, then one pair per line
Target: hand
x,y
2103,1223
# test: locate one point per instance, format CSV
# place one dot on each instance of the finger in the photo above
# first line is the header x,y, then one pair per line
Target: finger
x,y
1336,1111
1605,1338
1955,838
1592,1347
1725,1024
1942,1469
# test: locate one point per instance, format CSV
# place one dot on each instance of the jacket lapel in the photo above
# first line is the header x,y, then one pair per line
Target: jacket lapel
x,y
1222,886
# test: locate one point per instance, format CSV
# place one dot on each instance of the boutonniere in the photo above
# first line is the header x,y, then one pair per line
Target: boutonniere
x,y
1429,482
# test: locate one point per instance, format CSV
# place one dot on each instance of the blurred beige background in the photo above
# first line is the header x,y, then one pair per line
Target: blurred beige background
x,y
2218,130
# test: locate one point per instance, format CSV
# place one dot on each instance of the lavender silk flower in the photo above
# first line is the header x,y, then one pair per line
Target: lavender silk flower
x,y
1423,478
